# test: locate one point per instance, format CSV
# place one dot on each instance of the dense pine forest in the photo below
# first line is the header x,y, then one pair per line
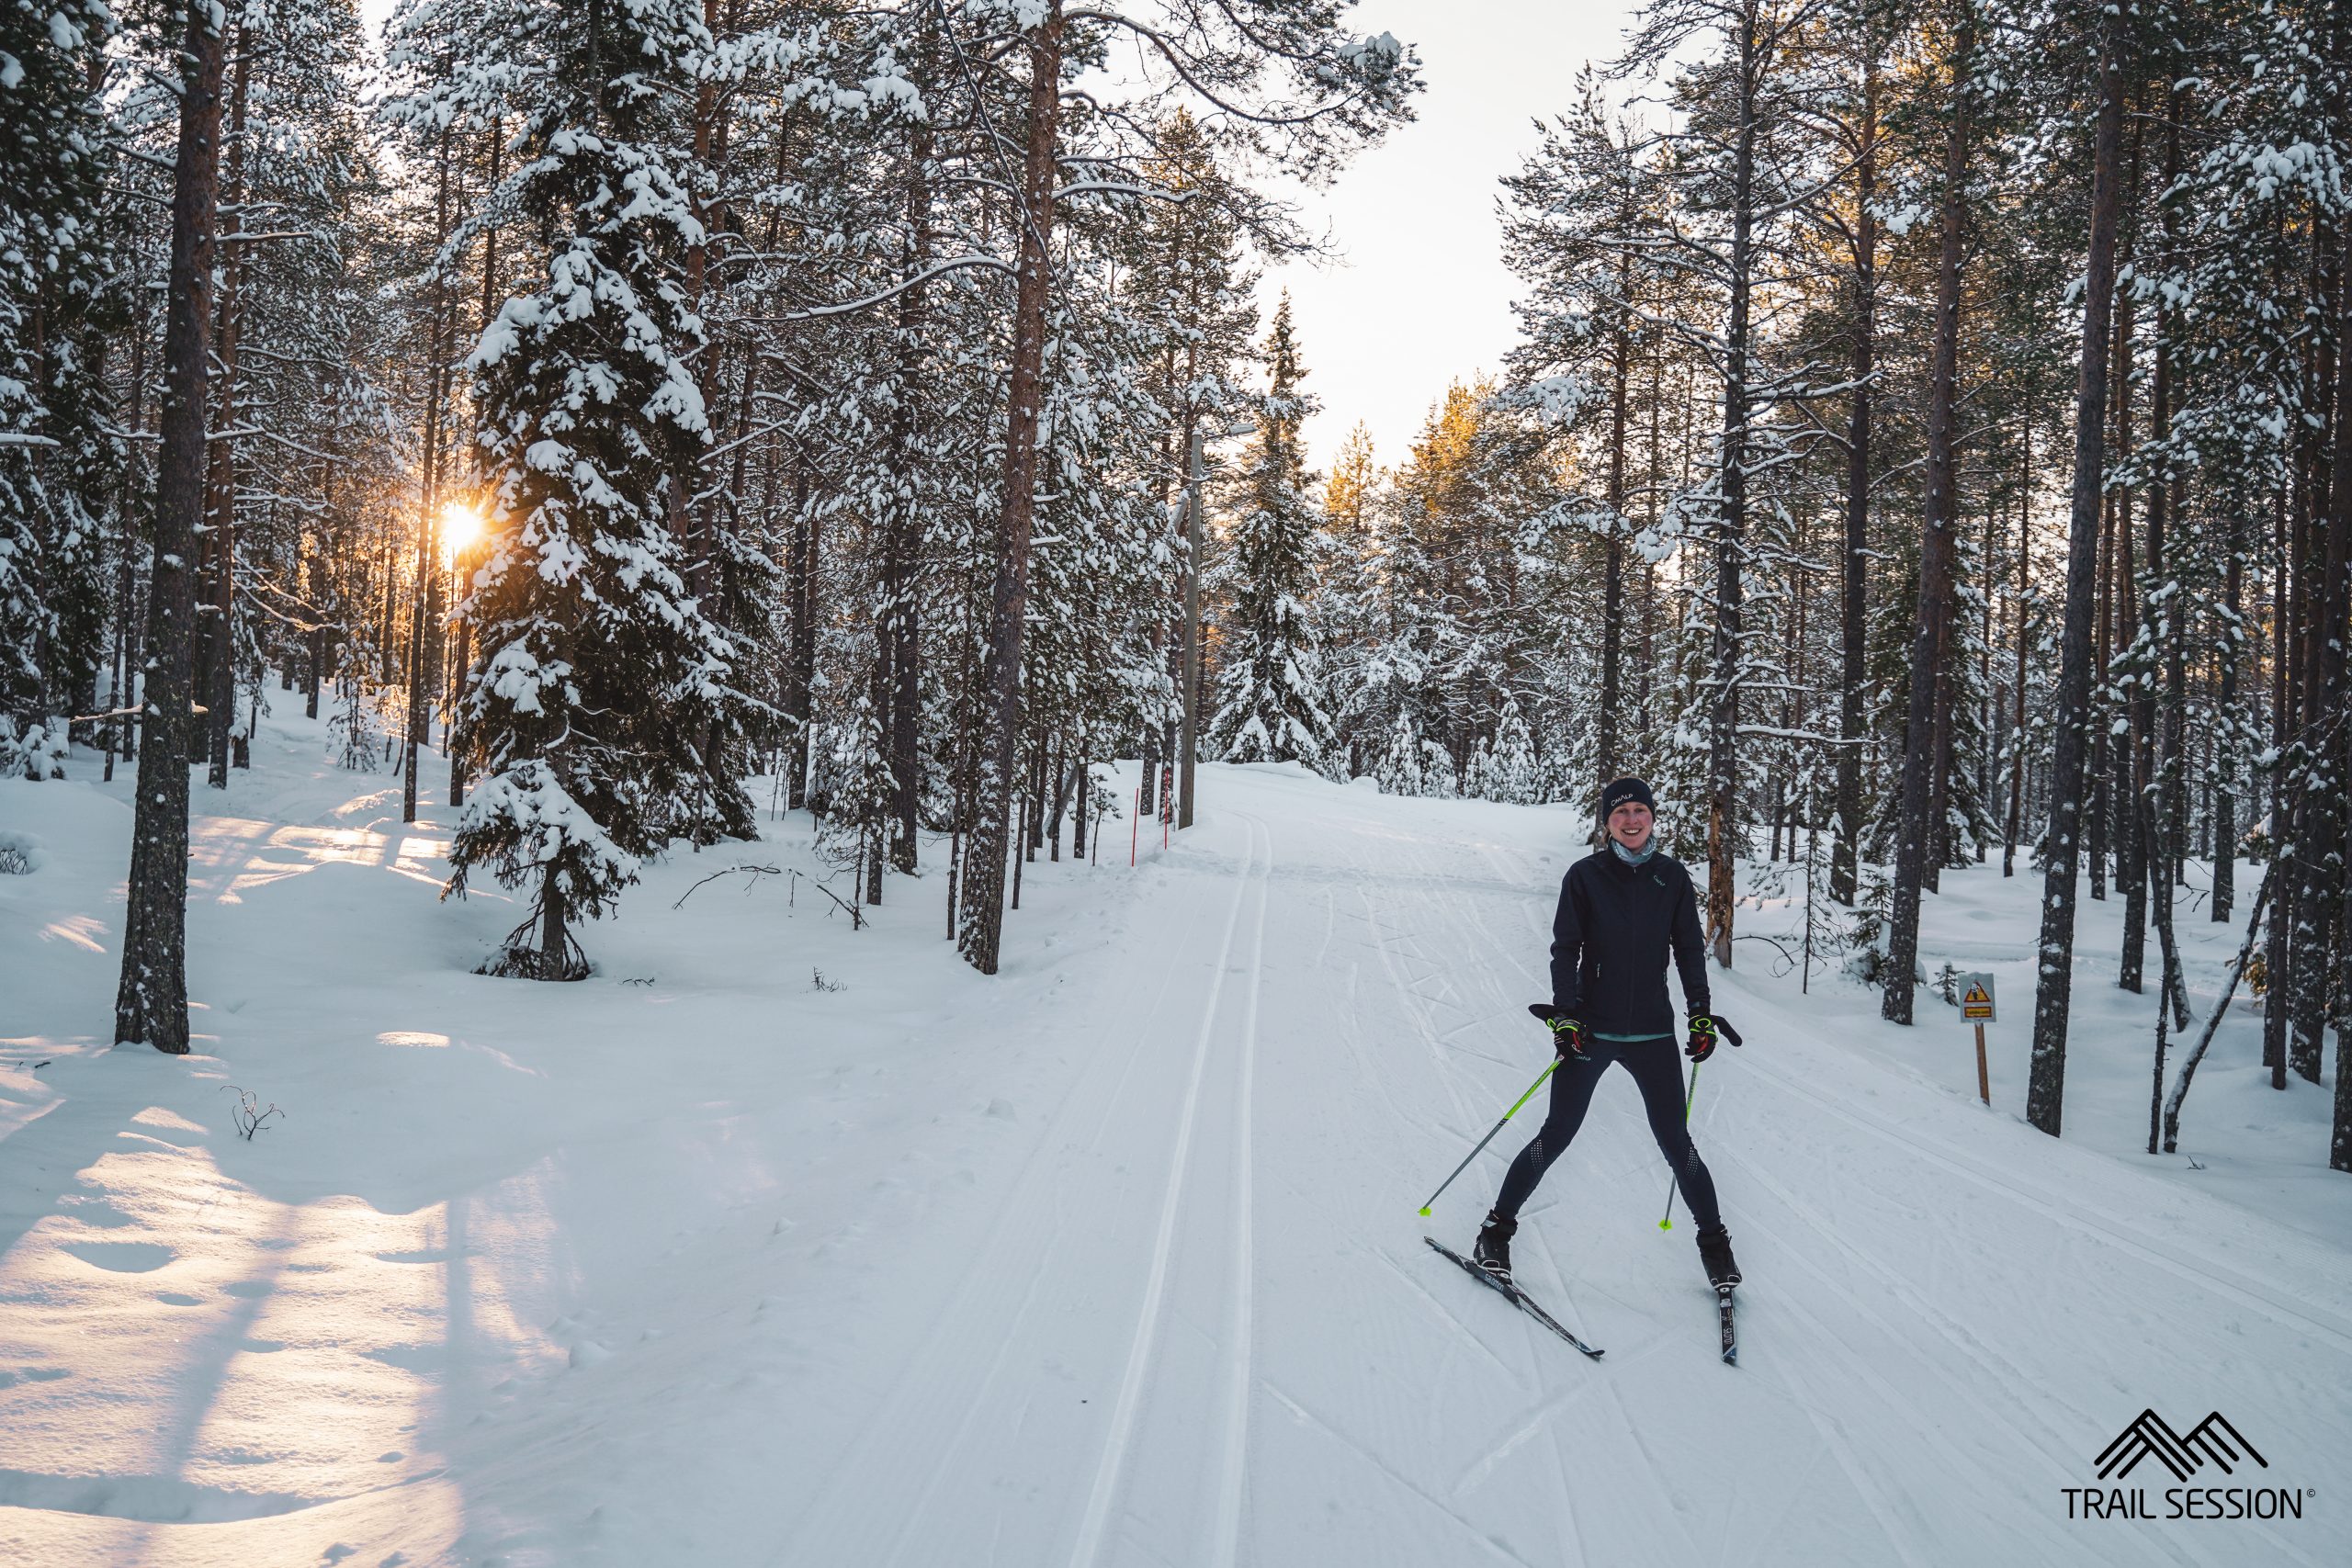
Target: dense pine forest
x,y
1928,444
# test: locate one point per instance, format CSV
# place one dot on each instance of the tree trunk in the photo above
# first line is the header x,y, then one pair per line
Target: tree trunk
x,y
2053,991
424,631
553,936
2335,607
2282,697
218,644
2318,821
2224,811
1613,635
1917,836
800,669
1188,743
150,1004
2130,756
1723,716
2016,693
462,661
983,925
124,671
902,626
1845,855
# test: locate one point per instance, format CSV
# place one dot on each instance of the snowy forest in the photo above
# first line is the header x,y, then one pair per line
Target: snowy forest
x,y
783,782
1928,444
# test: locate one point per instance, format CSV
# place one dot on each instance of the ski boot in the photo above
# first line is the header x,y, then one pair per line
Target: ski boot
x,y
1493,1250
1714,1253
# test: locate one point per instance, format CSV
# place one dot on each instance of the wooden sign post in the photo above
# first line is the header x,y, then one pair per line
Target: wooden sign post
x,y
1976,1007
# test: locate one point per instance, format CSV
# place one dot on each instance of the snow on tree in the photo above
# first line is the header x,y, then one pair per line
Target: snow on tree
x,y
599,679
58,467
1269,706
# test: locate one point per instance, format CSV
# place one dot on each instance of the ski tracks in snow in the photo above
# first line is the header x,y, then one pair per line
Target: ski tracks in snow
x,y
986,1452
1330,1401
1118,1442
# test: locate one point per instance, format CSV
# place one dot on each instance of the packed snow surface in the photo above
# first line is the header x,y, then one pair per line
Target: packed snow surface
x,y
778,1243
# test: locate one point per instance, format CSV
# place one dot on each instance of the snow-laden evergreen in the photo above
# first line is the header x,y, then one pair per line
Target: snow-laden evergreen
x,y
60,464
600,684
1271,696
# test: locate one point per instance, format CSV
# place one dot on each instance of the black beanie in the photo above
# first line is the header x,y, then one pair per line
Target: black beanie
x,y
1624,791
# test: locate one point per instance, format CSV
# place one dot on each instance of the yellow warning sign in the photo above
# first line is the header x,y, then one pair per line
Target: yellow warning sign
x,y
1976,1002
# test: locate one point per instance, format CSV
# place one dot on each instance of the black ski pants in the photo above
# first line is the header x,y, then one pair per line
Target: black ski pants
x,y
1657,1073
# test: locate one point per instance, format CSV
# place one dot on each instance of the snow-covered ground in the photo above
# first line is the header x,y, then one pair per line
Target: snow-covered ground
x,y
1111,1259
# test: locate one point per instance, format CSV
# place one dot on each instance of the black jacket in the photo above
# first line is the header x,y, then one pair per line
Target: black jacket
x,y
1610,943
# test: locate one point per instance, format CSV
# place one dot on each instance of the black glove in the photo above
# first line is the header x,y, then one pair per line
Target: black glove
x,y
1568,1035
1705,1028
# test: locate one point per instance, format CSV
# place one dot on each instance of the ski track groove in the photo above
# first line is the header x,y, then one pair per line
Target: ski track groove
x,y
2110,1230
1655,1472
1863,1486
1891,1398
1466,910
1239,1347
1457,1319
1447,916
1921,1306
1121,1434
900,1413
1792,1495
1403,1482
1407,1001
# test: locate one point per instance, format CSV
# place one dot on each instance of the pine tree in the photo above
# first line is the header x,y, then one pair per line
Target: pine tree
x,y
1270,704
58,467
151,1000
598,679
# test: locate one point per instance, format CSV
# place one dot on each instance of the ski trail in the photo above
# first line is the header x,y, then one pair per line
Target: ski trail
x,y
2181,1550
1463,914
910,1422
2114,1231
1397,1478
1123,1417
1873,1497
1236,1415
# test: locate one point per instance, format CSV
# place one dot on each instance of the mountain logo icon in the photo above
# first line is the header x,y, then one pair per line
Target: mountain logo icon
x,y
2212,1440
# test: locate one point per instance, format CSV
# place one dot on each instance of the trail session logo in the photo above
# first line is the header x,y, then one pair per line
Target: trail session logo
x,y
2150,1435
2213,1443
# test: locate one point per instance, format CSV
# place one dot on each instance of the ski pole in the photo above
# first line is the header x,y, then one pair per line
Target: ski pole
x,y
1666,1222
1491,1135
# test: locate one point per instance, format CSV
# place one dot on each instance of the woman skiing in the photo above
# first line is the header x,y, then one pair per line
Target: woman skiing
x,y
1621,909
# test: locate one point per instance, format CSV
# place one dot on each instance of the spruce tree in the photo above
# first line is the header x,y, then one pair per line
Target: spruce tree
x,y
598,681
57,467
1270,707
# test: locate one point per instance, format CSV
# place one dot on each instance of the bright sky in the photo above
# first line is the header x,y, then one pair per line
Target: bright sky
x,y
1421,295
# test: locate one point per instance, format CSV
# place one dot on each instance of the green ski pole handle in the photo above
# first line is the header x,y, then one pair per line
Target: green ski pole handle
x,y
1666,1222
1491,1135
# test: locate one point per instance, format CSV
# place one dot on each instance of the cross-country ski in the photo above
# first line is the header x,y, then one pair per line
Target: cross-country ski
x,y
1514,1293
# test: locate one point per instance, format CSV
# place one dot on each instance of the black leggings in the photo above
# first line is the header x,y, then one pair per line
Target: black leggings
x,y
1658,1072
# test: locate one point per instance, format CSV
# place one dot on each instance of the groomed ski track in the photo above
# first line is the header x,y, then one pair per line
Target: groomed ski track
x,y
1111,1260
1203,1328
